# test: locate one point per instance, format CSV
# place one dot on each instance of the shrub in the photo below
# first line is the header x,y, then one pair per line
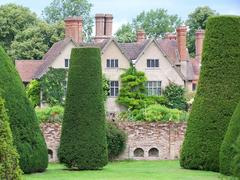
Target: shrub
x,y
217,94
175,95
227,151
83,142
50,114
27,136
9,158
133,92
235,164
116,140
33,92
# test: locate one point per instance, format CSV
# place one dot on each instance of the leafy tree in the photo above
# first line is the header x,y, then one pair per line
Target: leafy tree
x,y
14,19
53,86
58,10
156,22
217,94
34,42
84,115
126,34
133,92
176,97
197,20
27,135
33,92
9,158
105,84
227,151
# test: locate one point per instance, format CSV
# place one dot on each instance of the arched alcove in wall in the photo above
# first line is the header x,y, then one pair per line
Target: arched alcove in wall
x,y
153,152
50,154
138,152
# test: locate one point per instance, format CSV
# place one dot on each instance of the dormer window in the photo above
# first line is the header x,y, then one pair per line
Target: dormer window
x,y
112,63
66,63
152,63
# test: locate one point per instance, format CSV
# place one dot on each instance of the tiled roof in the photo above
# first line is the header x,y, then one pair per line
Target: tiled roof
x,y
132,50
51,55
28,68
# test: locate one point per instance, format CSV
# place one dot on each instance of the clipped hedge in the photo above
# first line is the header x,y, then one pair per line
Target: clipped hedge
x,y
227,151
116,140
9,158
83,142
235,164
23,121
217,94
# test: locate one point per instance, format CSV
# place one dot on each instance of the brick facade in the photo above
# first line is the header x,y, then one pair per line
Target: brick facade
x,y
145,141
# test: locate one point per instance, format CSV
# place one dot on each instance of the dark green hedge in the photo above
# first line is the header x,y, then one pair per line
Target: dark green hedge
x,y
235,164
83,142
227,151
23,121
217,95
116,141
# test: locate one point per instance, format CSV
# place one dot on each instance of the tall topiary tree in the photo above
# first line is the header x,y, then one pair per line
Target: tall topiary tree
x,y
217,95
23,121
227,151
9,158
83,142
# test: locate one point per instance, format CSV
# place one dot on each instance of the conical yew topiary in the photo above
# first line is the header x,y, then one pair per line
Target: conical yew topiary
x,y
27,136
228,151
83,141
217,95
9,158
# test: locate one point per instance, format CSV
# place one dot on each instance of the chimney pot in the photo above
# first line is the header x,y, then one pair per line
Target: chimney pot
x,y
181,42
199,36
73,28
170,36
140,36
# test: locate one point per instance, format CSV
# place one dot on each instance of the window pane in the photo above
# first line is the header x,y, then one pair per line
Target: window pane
x,y
116,62
112,63
148,63
108,63
112,92
116,92
156,63
152,63
116,83
112,83
66,62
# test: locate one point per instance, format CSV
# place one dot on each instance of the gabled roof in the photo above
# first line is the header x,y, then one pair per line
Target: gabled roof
x,y
51,55
28,68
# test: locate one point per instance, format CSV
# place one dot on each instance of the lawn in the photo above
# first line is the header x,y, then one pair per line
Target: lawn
x,y
127,170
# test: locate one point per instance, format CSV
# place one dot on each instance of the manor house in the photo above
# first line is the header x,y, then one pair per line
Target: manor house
x,y
163,60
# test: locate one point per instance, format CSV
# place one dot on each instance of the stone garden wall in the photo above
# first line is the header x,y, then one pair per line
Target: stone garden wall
x,y
146,141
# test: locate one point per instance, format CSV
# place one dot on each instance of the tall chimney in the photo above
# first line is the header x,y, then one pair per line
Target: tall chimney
x,y
73,28
199,36
181,42
140,36
170,36
100,24
108,24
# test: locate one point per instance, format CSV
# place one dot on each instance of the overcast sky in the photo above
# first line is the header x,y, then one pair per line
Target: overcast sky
x,y
125,10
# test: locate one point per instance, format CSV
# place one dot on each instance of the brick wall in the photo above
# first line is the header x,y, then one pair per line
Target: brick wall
x,y
146,141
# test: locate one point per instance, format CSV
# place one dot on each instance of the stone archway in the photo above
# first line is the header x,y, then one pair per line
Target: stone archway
x,y
138,152
153,152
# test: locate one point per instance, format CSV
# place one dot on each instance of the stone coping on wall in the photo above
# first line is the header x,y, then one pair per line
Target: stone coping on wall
x,y
145,140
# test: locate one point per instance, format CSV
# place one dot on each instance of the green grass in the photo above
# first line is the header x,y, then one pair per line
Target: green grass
x,y
127,170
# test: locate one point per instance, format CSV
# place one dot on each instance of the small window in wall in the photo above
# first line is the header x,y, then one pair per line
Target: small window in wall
x,y
66,63
152,63
153,88
138,152
114,88
50,154
112,63
154,152
194,86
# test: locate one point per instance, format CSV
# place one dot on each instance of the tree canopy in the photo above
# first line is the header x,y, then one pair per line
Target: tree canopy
x,y
14,19
197,20
58,10
126,34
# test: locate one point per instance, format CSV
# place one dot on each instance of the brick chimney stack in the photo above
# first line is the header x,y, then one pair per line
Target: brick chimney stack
x,y
108,24
103,27
73,28
140,36
199,36
181,42
170,36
